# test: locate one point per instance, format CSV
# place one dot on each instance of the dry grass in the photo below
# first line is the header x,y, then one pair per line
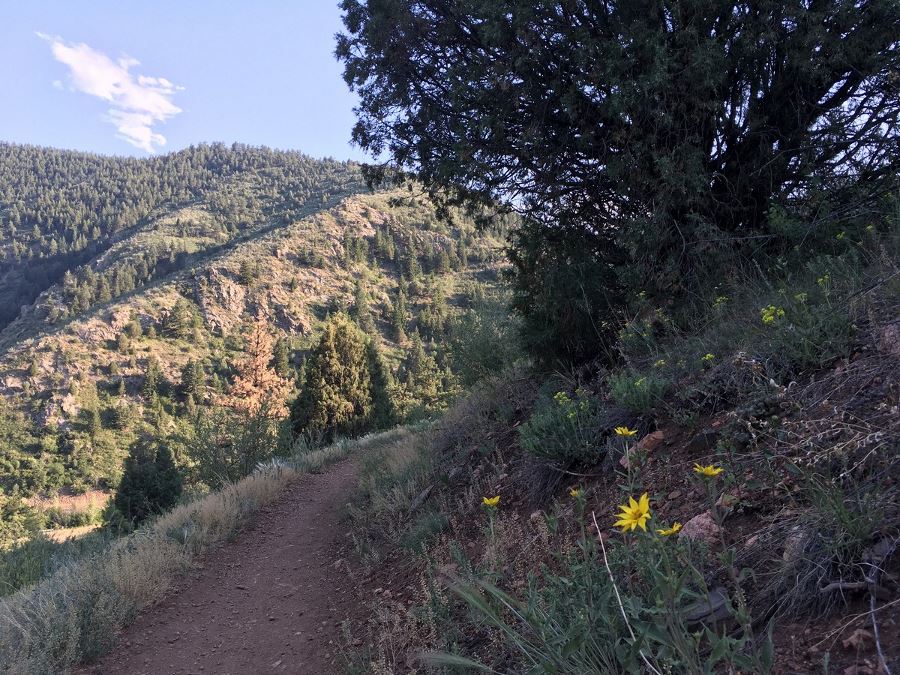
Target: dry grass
x,y
74,614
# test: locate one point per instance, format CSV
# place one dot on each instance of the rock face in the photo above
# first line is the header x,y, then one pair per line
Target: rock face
x,y
701,527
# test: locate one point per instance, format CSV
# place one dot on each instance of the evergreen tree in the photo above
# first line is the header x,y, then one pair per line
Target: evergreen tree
x,y
361,310
152,379
123,344
151,483
282,358
180,321
632,135
122,415
422,377
384,412
192,380
336,398
248,272
94,423
399,315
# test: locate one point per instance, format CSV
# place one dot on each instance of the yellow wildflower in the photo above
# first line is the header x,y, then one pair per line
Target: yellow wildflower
x,y
491,502
708,471
634,514
771,314
706,358
575,493
670,531
625,431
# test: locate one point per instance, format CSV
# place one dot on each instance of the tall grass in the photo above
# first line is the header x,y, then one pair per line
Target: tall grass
x,y
73,614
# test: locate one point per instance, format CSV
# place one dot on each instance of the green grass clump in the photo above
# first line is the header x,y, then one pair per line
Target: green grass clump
x,y
564,430
636,392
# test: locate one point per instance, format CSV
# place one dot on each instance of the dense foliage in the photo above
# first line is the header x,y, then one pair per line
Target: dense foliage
x,y
651,143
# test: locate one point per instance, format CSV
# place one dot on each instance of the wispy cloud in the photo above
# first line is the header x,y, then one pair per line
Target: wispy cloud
x,y
136,102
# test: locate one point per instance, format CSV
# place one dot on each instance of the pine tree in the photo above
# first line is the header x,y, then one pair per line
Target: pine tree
x,y
282,358
192,380
152,379
248,272
422,376
384,412
361,310
94,422
179,322
399,315
336,398
151,483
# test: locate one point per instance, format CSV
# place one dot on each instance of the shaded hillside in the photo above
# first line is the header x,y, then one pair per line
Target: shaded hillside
x,y
61,209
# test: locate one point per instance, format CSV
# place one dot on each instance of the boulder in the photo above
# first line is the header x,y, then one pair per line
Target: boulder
x,y
701,527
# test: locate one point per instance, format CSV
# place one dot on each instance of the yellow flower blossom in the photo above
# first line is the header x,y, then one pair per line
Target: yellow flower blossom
x,y
771,314
625,431
706,358
491,502
634,514
575,493
670,531
708,471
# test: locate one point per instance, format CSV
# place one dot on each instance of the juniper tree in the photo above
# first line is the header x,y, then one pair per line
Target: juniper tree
x,y
648,142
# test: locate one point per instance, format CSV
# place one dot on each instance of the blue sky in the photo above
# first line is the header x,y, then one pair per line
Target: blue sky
x,y
152,76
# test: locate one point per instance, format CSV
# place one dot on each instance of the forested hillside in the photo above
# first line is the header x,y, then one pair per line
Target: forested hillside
x,y
615,352
161,267
61,209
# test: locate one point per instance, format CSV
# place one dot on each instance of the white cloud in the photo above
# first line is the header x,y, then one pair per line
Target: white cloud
x,y
137,102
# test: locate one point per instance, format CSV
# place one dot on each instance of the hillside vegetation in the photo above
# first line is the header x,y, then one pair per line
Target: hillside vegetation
x,y
141,343
62,209
659,436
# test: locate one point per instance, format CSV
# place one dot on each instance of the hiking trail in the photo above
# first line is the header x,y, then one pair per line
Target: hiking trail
x,y
271,600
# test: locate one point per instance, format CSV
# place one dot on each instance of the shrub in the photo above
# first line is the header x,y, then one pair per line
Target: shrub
x,y
564,430
483,340
808,329
636,392
226,446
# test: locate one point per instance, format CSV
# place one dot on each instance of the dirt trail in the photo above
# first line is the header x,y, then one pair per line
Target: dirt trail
x,y
269,602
